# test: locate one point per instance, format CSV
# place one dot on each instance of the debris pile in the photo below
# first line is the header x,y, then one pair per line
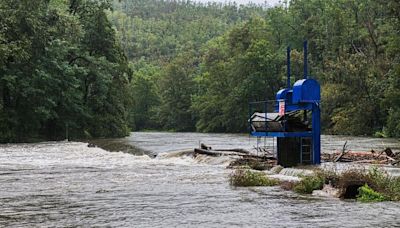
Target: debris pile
x,y
386,156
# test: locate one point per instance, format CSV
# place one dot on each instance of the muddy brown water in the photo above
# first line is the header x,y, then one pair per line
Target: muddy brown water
x,y
68,184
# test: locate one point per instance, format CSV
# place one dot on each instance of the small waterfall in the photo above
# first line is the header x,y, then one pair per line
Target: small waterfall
x,y
296,172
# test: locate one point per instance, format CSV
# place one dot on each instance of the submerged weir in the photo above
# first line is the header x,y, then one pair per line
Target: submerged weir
x,y
71,184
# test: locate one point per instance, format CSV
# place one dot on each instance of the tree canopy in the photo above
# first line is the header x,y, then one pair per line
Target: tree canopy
x,y
233,54
61,70
100,68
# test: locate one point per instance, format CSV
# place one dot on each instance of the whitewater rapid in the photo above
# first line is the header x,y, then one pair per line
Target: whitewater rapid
x,y
69,184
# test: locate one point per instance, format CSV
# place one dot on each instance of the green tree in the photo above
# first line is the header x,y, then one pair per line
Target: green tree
x,y
146,96
176,89
60,68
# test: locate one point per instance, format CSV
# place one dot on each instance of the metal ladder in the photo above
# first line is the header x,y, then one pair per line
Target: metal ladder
x,y
306,151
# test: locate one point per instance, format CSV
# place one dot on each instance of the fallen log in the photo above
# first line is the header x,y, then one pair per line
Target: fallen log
x,y
391,159
380,153
239,150
216,153
259,157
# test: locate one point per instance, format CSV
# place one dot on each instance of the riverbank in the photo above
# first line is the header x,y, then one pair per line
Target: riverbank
x,y
366,184
357,178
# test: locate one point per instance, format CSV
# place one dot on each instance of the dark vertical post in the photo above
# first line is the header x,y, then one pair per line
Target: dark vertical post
x,y
305,59
316,134
250,120
288,67
305,47
266,115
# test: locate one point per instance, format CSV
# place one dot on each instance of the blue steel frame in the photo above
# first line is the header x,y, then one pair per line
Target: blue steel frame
x,y
313,106
314,134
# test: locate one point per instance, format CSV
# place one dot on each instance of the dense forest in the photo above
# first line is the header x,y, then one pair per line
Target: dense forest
x,y
62,71
101,68
196,66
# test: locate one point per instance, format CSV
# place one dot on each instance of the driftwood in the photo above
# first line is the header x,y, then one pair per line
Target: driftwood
x,y
385,156
226,152
343,152
215,153
209,148
264,157
380,153
239,150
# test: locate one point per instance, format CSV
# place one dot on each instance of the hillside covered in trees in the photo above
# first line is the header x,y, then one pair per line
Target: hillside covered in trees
x,y
196,66
99,68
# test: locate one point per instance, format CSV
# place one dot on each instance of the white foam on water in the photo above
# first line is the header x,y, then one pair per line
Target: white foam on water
x,y
219,160
283,177
327,192
296,172
188,157
340,167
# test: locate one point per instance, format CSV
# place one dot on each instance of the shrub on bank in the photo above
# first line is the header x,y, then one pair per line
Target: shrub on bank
x,y
308,184
385,184
245,178
367,194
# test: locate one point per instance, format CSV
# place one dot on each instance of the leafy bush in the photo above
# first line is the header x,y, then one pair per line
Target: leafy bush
x,y
379,179
367,194
308,184
244,178
383,183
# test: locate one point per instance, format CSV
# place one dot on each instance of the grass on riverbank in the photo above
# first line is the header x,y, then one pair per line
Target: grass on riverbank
x,y
308,184
383,183
246,178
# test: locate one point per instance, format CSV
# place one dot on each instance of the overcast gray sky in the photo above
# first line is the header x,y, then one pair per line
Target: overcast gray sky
x,y
270,2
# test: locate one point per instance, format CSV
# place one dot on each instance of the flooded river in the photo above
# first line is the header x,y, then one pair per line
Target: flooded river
x,y
68,184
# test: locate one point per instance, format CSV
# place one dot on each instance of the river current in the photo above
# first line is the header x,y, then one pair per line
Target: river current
x,y
68,184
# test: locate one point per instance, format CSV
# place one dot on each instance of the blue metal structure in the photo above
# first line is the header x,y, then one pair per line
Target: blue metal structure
x,y
294,146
